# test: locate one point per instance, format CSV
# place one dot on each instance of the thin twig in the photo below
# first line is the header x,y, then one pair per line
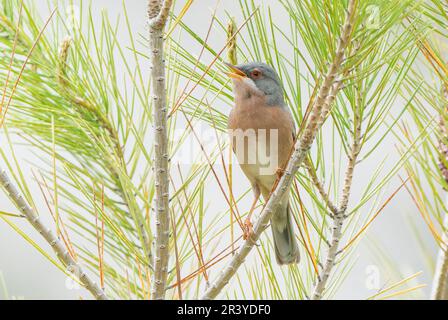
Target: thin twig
x,y
158,14
440,281
301,150
62,252
320,186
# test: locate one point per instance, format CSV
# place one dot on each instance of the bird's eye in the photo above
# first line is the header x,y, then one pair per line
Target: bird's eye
x,y
255,74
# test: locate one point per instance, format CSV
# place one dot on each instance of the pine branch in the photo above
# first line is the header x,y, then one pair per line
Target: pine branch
x,y
298,157
440,281
58,247
157,15
232,40
83,107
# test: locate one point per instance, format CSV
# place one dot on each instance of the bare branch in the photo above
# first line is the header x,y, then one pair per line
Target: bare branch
x,y
58,247
83,106
157,19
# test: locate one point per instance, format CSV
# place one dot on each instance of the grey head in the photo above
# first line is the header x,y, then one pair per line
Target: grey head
x,y
263,77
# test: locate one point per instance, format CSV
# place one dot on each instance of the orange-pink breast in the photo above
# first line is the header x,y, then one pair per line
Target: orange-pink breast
x,y
254,114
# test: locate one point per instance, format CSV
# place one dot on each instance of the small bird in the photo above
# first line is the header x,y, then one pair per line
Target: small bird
x,y
262,133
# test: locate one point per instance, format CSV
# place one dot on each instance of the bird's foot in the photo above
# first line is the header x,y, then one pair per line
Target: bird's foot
x,y
248,229
280,172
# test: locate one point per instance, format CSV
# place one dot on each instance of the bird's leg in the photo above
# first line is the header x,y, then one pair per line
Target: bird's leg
x,y
247,223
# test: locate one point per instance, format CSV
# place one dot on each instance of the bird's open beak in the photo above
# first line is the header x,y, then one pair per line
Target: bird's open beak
x,y
235,72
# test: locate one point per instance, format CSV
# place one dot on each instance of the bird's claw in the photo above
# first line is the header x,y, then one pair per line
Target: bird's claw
x,y
280,172
248,229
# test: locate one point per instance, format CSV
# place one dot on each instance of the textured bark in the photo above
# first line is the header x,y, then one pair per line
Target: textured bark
x,y
158,14
440,280
57,246
299,155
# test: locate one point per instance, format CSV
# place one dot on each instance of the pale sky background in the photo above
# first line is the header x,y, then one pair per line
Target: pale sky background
x,y
26,274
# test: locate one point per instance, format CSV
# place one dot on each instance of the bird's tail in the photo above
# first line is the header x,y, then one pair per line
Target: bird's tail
x,y
285,243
